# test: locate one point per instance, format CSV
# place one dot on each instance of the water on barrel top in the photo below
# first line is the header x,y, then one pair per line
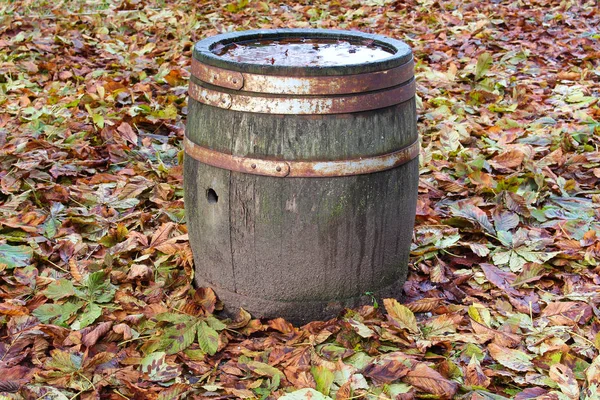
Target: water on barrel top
x,y
302,52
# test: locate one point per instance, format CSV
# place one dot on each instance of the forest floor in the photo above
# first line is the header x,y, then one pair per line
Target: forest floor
x,y
502,297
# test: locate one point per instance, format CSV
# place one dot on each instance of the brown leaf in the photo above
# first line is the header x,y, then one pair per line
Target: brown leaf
x,y
123,329
140,272
76,271
170,246
388,368
13,309
427,304
568,312
503,280
507,160
592,374
242,319
500,338
128,133
281,325
430,381
400,315
92,363
344,392
474,375
90,338
206,298
14,377
162,234
568,76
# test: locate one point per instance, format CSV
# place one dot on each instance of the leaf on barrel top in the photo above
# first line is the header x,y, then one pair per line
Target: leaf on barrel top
x,y
400,315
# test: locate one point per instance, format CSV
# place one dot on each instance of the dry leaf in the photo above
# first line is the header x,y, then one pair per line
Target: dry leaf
x,y
430,381
400,315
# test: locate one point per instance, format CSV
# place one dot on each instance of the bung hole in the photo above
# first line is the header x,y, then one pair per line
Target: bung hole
x,y
211,196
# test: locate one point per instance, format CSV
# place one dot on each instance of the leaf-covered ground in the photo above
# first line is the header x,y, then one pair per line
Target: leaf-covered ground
x,y
96,298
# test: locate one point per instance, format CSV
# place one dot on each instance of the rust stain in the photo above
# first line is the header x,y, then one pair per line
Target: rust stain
x,y
303,105
301,169
307,85
217,76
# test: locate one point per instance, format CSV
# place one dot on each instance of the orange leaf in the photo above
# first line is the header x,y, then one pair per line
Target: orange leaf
x,y
13,309
508,159
474,375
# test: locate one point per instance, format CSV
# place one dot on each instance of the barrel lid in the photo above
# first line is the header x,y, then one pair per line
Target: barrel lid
x,y
205,52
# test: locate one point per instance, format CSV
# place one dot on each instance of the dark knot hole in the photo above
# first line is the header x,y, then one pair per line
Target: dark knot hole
x,y
211,196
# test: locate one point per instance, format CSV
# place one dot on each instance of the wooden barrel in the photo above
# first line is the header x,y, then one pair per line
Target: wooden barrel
x,y
301,180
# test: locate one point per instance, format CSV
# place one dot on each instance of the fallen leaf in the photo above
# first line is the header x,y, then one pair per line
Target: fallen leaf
x,y
510,358
430,381
400,315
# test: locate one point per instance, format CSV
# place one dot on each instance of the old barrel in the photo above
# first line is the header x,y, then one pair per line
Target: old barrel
x,y
301,169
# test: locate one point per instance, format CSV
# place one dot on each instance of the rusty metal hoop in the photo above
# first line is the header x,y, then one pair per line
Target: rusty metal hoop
x,y
304,105
305,85
301,169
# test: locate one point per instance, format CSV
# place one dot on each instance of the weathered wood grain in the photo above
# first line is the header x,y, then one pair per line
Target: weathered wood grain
x,y
301,248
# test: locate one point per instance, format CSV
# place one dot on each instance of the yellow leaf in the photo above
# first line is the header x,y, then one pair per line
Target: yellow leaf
x,y
401,315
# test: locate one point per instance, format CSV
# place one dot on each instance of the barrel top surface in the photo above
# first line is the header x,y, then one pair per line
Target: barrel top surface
x,y
400,53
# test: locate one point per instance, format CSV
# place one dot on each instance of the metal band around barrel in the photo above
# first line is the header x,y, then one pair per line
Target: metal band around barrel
x,y
305,85
303,105
301,169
